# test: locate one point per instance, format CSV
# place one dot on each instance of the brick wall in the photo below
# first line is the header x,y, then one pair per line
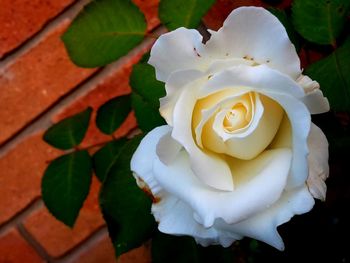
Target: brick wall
x,y
39,85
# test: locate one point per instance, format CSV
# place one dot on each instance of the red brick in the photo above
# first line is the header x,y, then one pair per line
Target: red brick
x,y
150,10
54,236
20,19
35,81
21,170
14,249
222,8
113,85
102,251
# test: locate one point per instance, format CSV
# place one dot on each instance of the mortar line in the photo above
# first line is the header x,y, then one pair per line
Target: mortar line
x,y
17,218
68,12
86,244
33,243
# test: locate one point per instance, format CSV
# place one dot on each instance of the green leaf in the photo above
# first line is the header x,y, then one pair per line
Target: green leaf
x,y
113,113
183,13
65,185
285,20
333,75
69,132
320,21
103,32
126,208
104,158
146,91
173,249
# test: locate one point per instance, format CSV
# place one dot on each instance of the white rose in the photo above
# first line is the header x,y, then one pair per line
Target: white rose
x,y
239,155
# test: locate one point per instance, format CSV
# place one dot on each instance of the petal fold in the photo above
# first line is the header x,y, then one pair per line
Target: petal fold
x,y
318,163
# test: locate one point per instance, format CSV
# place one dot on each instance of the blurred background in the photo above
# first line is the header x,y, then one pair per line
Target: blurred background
x,y
39,85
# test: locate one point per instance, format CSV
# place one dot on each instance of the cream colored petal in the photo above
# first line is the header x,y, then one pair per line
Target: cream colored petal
x,y
141,163
205,108
284,137
259,78
221,64
318,163
177,82
176,218
316,102
255,34
307,84
300,120
264,176
263,226
209,168
177,50
167,148
246,145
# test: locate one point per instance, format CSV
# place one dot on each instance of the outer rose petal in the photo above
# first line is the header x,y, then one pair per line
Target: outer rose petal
x,y
177,50
259,78
316,102
263,226
300,120
177,82
318,163
142,160
265,177
255,34
176,217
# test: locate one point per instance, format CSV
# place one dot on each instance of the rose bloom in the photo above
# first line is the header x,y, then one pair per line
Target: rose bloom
x,y
240,155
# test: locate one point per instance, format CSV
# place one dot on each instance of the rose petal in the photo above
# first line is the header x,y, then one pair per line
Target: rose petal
x,y
176,218
142,161
264,176
263,226
246,145
255,34
318,161
316,102
283,138
167,148
177,50
177,82
300,120
221,64
206,107
261,78
210,168
307,84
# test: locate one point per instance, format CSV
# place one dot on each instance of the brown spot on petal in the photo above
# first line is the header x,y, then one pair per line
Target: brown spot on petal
x,y
195,50
147,191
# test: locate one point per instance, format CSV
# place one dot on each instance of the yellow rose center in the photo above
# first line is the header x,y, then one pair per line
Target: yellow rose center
x,y
237,123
